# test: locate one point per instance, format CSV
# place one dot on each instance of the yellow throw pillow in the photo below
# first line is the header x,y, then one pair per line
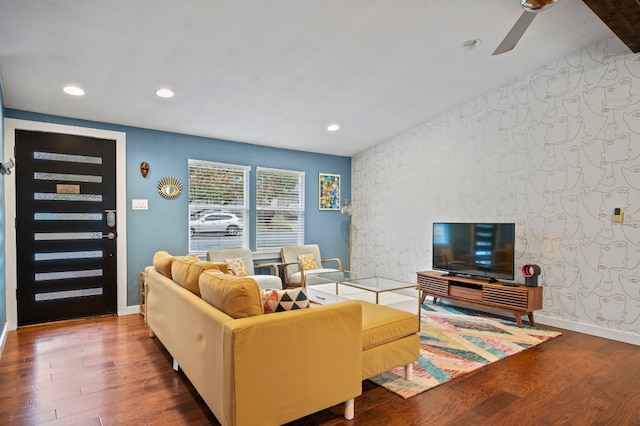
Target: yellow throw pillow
x,y
307,261
238,297
186,271
222,267
162,262
237,267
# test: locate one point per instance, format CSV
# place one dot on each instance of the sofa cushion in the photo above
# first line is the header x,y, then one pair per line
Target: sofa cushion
x,y
307,261
186,270
276,300
237,267
162,262
238,297
382,324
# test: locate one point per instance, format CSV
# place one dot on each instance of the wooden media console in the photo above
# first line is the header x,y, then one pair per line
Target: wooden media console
x,y
517,300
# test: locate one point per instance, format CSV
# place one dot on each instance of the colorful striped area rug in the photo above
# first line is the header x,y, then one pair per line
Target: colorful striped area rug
x,y
455,342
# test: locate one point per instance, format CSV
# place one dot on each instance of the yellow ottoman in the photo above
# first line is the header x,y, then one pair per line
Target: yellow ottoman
x,y
389,339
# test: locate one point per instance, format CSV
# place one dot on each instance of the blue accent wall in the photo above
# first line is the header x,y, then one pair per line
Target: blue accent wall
x,y
3,300
165,225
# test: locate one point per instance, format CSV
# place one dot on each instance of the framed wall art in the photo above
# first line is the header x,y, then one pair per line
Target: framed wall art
x,y
329,191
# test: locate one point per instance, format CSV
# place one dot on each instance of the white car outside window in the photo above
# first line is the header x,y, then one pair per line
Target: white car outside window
x,y
229,224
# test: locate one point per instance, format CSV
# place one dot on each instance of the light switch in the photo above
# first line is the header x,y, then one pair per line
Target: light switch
x,y
618,215
140,204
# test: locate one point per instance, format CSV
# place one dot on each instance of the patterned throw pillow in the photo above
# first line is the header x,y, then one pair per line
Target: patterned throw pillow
x,y
237,267
307,261
274,300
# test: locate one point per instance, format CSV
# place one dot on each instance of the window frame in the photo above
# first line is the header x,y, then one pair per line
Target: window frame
x,y
296,208
241,210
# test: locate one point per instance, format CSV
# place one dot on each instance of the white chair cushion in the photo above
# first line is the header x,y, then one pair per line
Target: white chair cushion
x,y
290,255
267,281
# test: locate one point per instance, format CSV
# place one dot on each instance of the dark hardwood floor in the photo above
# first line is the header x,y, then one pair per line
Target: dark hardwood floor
x,y
108,371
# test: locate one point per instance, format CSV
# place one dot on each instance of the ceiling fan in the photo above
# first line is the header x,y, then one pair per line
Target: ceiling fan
x,y
531,8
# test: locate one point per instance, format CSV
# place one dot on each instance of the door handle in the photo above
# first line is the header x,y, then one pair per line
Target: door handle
x,y
110,235
111,218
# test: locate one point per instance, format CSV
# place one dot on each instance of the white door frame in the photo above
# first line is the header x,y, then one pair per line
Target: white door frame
x,y
10,126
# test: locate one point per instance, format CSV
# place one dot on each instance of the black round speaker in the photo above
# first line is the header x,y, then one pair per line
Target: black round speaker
x,y
531,273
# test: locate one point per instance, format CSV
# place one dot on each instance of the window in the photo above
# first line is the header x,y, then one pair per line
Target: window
x,y
218,206
280,208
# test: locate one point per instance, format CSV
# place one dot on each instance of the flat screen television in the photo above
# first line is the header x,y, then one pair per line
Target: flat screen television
x,y
483,250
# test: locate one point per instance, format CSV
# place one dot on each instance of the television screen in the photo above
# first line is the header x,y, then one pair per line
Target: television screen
x,y
474,249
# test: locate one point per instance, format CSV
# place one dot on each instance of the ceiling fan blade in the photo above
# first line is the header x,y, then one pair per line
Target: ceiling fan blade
x,y
516,33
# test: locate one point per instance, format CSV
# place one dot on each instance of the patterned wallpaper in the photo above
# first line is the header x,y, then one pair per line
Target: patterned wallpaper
x,y
555,152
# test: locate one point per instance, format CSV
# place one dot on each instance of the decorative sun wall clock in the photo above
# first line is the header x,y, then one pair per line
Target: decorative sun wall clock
x,y
169,187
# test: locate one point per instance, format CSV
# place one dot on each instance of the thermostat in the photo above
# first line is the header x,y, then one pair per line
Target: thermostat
x,y
618,215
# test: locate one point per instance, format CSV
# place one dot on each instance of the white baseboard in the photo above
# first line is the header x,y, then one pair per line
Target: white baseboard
x,y
130,310
606,333
3,337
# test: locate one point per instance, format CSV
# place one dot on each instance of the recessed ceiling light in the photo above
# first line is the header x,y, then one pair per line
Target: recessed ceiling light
x,y
73,90
333,127
471,44
164,93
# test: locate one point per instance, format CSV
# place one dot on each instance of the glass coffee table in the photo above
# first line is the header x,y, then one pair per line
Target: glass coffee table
x,y
332,287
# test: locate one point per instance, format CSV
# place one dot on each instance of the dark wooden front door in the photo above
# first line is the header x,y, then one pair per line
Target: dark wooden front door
x,y
65,226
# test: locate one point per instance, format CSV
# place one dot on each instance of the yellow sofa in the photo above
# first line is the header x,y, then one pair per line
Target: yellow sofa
x,y
263,369
269,369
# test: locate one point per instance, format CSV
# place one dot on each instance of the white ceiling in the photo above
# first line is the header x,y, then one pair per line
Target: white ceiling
x,y
273,72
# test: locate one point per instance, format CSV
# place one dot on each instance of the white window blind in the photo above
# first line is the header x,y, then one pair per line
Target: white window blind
x,y
218,206
280,208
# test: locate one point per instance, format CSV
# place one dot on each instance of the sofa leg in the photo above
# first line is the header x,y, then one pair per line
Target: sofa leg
x,y
175,365
349,409
408,371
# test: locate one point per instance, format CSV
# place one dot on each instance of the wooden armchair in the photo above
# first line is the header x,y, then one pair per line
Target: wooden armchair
x,y
295,257
264,281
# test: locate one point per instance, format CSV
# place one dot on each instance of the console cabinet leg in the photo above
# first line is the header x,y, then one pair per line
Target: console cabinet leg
x,y
518,318
530,315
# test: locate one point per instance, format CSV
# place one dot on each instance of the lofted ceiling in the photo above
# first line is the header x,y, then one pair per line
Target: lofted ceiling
x,y
274,72
622,16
